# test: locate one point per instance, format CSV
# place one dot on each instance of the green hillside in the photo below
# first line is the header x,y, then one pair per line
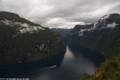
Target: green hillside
x,y
110,70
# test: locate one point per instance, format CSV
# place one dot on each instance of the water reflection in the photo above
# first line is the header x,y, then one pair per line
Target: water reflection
x,y
71,68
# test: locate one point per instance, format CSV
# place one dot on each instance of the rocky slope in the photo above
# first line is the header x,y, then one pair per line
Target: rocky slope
x,y
22,41
103,35
110,70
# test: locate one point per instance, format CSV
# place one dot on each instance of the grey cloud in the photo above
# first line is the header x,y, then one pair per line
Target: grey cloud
x,y
41,11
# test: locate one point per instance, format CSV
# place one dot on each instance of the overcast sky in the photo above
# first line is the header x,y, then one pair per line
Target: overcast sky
x,y
61,13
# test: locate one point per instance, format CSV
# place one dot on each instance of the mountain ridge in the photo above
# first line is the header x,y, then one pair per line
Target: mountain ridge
x,y
22,41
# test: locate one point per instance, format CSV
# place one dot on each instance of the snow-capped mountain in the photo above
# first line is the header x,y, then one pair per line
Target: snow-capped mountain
x,y
103,35
108,21
23,25
81,29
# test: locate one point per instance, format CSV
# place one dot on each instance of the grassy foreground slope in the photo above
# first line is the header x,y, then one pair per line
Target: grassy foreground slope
x,y
110,70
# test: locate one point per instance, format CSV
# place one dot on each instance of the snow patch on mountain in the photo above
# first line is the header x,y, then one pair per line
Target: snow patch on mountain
x,y
112,25
105,17
23,27
103,23
81,32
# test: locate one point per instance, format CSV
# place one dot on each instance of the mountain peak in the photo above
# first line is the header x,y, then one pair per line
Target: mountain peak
x,y
8,15
115,17
107,20
12,19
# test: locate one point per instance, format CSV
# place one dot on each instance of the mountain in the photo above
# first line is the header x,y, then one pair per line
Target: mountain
x,y
108,21
12,19
24,43
63,33
104,35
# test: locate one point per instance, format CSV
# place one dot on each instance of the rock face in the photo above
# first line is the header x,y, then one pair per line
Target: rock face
x,y
23,42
